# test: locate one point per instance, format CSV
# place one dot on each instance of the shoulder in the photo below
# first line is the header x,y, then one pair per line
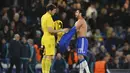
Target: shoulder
x,y
82,20
79,21
13,40
45,16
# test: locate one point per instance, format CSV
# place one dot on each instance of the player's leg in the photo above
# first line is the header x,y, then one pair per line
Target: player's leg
x,y
49,52
82,47
46,64
47,59
83,65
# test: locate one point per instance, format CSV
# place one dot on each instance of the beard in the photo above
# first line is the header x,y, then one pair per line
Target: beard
x,y
76,16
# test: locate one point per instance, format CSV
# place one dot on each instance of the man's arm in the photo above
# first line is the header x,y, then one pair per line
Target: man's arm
x,y
78,24
51,30
32,52
50,25
11,48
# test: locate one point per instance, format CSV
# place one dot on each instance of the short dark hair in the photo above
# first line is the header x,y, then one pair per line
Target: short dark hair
x,y
50,7
81,11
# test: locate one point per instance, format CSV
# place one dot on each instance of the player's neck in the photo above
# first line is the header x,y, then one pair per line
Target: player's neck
x,y
80,17
49,12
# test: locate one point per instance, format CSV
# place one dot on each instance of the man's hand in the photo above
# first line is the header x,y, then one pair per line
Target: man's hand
x,y
30,60
66,30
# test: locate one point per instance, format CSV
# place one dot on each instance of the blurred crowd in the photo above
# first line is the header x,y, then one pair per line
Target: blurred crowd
x,y
108,32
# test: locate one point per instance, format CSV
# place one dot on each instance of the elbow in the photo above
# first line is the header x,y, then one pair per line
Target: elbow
x,y
50,30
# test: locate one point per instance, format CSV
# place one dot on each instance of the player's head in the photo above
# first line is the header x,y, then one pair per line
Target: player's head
x,y
79,13
51,8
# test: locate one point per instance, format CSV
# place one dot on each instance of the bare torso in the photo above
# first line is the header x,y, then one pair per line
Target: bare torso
x,y
82,31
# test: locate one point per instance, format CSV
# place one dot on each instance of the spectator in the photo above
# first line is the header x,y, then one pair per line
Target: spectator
x,y
25,54
16,20
32,57
15,53
23,26
101,63
113,51
98,36
37,39
101,19
127,62
78,6
65,20
59,65
5,51
112,40
121,58
5,18
126,49
95,49
91,11
91,15
110,32
38,54
13,26
103,49
6,32
16,17
128,35
11,34
116,64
